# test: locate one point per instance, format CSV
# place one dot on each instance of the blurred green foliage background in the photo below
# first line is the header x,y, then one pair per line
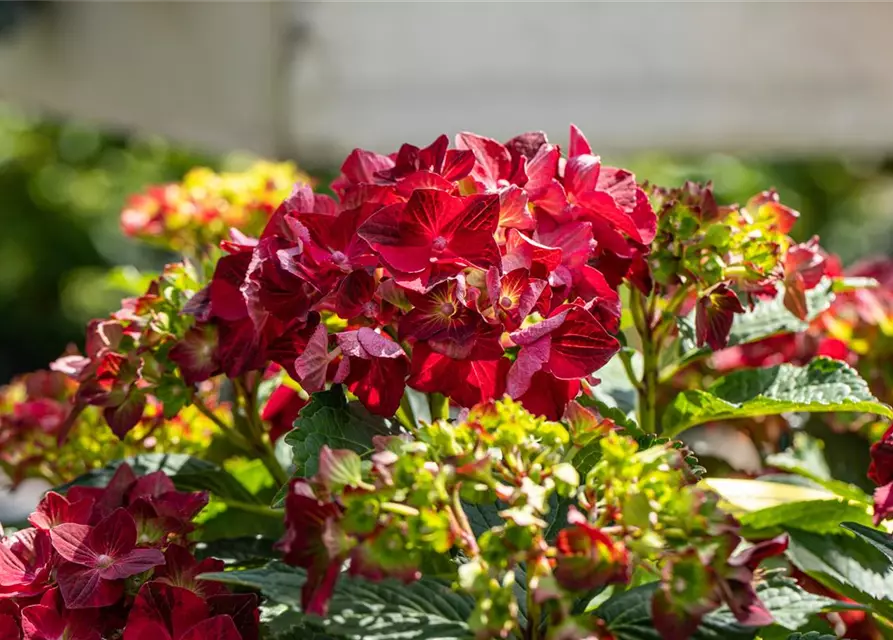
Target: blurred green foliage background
x,y
63,184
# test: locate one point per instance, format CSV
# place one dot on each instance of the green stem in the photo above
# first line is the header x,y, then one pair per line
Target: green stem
x,y
226,430
633,378
399,509
471,542
259,509
650,363
440,406
261,446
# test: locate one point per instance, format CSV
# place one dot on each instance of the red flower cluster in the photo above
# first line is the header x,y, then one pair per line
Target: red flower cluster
x,y
43,409
75,572
470,272
133,355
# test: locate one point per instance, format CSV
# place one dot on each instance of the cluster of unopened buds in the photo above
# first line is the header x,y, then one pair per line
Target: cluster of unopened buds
x,y
116,562
626,508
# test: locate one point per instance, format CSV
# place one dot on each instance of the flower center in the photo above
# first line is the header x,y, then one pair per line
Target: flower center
x,y
448,309
505,302
338,257
439,244
104,561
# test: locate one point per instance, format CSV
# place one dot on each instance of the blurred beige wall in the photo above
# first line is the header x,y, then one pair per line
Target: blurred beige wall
x,y
316,79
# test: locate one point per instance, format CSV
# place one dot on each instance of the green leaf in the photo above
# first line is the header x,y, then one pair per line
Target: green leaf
x,y
821,386
615,389
187,472
330,420
238,550
791,606
281,622
847,565
276,580
879,539
389,610
812,635
628,617
621,419
628,614
744,494
767,318
818,516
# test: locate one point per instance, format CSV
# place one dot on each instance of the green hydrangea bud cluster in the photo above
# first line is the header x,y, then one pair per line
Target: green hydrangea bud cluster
x,y
529,517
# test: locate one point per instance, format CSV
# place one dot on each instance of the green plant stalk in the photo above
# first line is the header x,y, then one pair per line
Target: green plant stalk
x,y
227,431
260,445
440,406
648,387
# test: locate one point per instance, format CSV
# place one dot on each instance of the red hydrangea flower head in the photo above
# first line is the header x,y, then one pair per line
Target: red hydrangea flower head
x,y
435,259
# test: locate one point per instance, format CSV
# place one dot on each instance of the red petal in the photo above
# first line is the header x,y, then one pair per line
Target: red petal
x,y
493,159
549,396
126,415
581,174
530,360
883,503
40,622
216,628
513,211
578,143
174,609
82,587
715,313
311,365
55,509
9,628
137,561
114,536
71,542
242,608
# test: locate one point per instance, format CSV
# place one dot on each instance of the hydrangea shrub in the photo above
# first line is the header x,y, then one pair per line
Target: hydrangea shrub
x,y
446,402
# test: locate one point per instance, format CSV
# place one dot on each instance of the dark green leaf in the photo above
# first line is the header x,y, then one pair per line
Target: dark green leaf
x,y
790,605
281,622
812,635
879,539
628,614
388,610
821,386
767,318
188,474
330,420
628,617
238,550
276,580
620,418
847,565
